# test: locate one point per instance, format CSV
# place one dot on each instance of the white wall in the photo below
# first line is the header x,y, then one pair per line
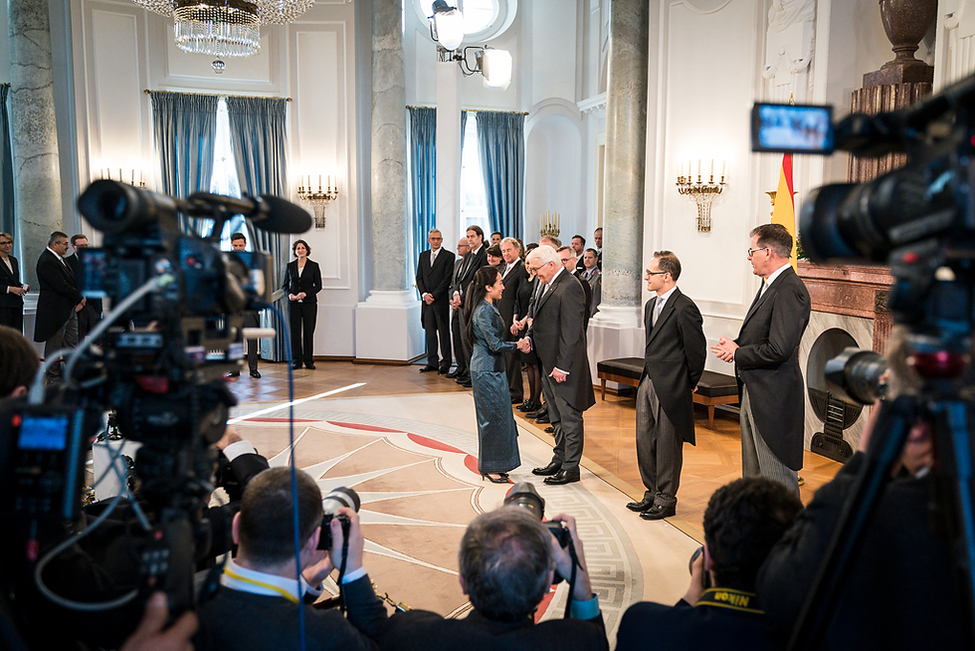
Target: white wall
x,y
121,49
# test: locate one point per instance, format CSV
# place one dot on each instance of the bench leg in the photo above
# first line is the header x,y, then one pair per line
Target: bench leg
x,y
603,385
711,417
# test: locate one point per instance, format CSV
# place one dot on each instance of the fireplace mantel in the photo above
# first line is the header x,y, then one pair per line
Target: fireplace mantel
x,y
851,290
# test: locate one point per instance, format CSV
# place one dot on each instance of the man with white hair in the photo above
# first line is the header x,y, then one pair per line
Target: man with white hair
x,y
559,337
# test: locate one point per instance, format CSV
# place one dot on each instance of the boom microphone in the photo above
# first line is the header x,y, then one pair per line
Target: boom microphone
x,y
267,212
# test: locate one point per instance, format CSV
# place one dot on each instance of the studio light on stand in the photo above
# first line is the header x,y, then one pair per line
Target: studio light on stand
x,y
447,30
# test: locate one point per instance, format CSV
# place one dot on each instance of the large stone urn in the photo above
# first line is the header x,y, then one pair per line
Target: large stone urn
x,y
906,22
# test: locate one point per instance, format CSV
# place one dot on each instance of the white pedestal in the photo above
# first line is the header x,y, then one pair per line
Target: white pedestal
x,y
388,328
615,332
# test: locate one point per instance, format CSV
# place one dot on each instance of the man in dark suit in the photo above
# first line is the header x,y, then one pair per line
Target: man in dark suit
x,y
578,250
434,272
90,314
673,362
11,289
567,256
457,336
59,301
597,238
261,584
559,337
513,274
507,560
252,319
743,521
474,260
766,358
593,276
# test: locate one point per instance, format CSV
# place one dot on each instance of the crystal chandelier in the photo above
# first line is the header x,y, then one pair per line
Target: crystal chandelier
x,y
224,28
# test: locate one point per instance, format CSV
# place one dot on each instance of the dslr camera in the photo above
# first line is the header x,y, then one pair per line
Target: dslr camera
x,y
331,504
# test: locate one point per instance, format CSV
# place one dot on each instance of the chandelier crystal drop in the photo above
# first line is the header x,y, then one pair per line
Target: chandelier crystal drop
x,y
224,28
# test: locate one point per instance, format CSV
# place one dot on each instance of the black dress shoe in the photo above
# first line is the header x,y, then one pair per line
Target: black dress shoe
x,y
428,369
255,373
443,371
658,512
543,419
549,470
296,365
640,506
467,384
233,374
452,374
549,430
541,411
310,365
527,406
460,379
562,477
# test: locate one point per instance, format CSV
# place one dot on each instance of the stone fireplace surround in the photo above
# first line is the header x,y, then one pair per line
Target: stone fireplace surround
x,y
853,299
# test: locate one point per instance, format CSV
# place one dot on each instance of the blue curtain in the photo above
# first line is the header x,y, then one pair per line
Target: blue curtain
x,y
184,127
7,218
501,145
423,181
259,138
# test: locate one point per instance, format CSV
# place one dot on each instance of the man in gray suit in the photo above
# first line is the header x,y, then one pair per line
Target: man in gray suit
x,y
558,335
673,363
766,359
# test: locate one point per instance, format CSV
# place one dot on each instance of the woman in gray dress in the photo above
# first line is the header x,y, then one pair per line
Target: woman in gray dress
x,y
496,432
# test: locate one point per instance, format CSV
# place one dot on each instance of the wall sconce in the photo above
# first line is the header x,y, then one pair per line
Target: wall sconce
x,y
318,199
549,224
701,193
447,30
106,174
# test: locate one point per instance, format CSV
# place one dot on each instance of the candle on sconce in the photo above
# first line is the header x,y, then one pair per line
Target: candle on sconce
x,y
723,164
712,170
698,170
133,176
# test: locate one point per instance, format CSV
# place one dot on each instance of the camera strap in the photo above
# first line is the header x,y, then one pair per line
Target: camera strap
x,y
572,578
342,565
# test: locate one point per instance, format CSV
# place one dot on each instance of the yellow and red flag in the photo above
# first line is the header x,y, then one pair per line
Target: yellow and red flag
x,y
784,211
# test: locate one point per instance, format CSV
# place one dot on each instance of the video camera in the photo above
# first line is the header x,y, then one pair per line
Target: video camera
x,y
162,352
919,219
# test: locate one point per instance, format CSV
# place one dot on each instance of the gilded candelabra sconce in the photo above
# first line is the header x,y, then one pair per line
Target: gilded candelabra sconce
x,y
702,193
318,199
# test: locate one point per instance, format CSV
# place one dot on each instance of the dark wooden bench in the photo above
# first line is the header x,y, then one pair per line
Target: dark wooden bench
x,y
713,388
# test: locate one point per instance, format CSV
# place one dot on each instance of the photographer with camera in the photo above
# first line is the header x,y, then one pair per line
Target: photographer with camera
x,y
257,604
902,589
743,521
508,559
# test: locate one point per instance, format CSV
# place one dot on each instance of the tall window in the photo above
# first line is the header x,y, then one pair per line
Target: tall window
x,y
473,200
224,179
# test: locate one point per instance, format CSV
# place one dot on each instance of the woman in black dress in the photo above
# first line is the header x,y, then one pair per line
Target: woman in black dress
x,y
302,281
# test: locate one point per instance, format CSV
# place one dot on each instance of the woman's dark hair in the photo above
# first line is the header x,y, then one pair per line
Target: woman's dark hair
x,y
485,277
295,246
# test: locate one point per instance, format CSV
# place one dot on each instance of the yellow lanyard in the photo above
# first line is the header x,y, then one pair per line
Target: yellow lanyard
x,y
267,586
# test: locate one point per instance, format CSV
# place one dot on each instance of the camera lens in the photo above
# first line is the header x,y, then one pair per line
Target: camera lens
x,y
857,376
524,495
338,498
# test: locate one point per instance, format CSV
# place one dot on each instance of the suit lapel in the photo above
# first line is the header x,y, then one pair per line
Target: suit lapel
x,y
664,313
760,299
550,290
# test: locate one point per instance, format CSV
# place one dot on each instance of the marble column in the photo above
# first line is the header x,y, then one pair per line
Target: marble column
x,y
388,322
615,331
34,135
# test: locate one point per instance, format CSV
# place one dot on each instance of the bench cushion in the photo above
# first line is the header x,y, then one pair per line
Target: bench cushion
x,y
714,385
631,367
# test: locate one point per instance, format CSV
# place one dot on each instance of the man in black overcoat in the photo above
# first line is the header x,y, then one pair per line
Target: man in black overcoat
x,y
673,363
